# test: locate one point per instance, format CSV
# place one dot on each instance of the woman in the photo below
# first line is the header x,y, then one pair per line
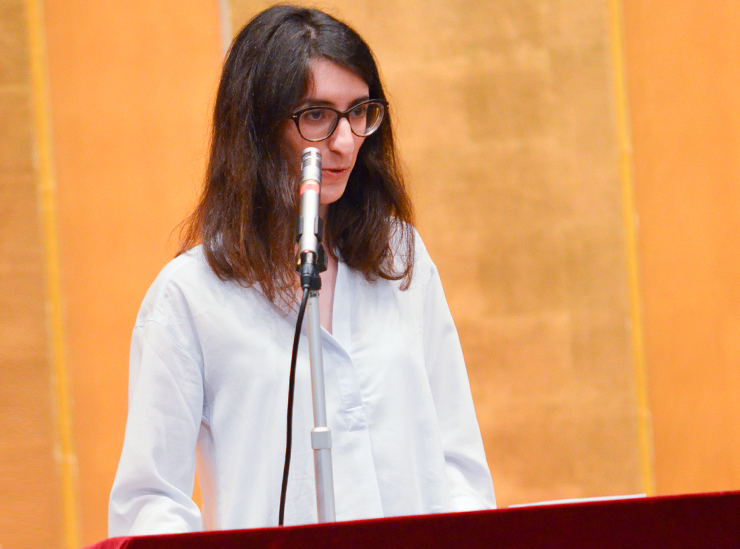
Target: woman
x,y
211,347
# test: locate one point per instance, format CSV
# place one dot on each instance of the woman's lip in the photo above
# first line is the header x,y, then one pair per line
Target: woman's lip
x,y
335,171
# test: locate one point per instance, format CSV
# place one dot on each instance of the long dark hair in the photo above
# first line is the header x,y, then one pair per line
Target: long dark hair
x,y
246,215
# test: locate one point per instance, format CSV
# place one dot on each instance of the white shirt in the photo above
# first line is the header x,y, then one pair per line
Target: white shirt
x,y
209,367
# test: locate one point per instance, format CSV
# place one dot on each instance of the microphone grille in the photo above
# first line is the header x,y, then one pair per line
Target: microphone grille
x,y
311,164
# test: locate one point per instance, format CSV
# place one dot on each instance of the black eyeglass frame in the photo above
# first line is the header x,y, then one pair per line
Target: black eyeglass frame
x,y
297,115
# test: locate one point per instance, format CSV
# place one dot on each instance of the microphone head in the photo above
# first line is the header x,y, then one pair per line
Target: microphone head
x,y
311,165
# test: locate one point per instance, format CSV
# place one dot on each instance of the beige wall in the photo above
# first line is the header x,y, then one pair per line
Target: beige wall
x,y
130,87
509,121
682,61
131,84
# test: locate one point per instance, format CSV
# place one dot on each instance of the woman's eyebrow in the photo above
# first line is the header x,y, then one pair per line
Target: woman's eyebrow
x,y
313,102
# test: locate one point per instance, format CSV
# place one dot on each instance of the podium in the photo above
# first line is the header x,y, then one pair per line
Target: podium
x,y
686,521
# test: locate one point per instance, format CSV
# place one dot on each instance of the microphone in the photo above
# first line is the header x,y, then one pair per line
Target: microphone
x,y
309,223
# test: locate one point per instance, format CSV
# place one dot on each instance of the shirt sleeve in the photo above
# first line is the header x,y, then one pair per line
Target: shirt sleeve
x,y
470,484
152,492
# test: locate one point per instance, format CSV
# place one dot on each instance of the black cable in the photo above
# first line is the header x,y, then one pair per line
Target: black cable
x,y
291,391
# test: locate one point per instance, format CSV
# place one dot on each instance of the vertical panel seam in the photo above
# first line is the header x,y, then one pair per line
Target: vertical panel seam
x,y
630,224
224,17
64,448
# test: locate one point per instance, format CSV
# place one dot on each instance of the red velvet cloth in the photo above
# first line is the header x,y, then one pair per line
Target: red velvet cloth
x,y
700,520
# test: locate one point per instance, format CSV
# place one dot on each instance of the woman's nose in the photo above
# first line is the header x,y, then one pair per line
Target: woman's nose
x,y
342,140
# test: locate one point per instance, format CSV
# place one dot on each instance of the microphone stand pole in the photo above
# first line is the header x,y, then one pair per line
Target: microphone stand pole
x,y
320,434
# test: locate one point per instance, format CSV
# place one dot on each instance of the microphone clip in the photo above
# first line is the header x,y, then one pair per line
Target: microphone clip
x,y
308,264
309,267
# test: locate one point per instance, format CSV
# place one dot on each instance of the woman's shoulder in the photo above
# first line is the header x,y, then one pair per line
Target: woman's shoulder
x,y
424,267
404,234
183,279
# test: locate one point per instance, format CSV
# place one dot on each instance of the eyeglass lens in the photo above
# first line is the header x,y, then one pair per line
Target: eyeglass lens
x,y
318,123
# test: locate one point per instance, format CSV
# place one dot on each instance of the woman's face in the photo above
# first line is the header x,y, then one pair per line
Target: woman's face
x,y
330,85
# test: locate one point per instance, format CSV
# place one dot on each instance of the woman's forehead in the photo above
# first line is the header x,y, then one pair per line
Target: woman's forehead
x,y
332,84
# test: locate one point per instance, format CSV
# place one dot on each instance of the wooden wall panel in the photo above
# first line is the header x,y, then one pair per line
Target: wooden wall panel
x,y
682,63
507,125
30,501
131,89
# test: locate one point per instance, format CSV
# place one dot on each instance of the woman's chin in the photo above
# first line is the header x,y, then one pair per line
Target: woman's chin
x,y
331,191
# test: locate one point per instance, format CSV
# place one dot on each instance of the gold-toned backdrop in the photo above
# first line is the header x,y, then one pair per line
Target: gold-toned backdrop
x,y
30,487
683,60
516,121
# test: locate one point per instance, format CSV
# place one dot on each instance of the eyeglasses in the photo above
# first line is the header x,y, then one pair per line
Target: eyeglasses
x,y
318,123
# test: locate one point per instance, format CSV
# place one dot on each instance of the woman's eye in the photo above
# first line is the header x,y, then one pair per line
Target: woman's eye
x,y
359,112
315,115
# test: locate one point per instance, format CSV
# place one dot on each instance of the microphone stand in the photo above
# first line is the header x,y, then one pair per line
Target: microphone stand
x,y
320,434
310,262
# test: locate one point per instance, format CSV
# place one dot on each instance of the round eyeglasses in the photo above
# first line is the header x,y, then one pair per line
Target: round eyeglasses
x,y
318,123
